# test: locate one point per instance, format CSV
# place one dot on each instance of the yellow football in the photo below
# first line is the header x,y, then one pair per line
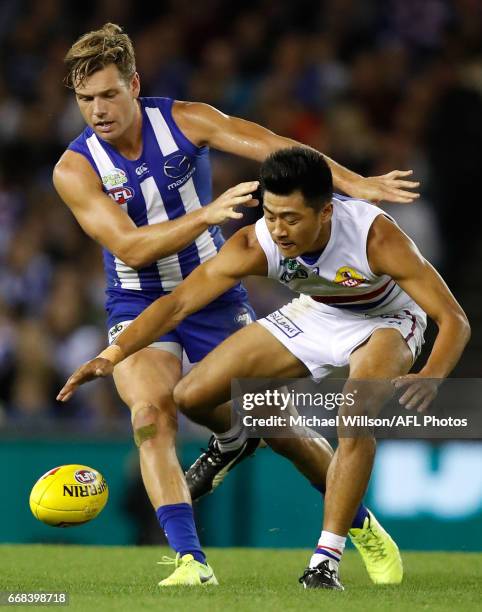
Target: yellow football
x,y
68,495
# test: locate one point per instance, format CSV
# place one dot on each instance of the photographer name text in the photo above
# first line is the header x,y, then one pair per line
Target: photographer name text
x,y
410,420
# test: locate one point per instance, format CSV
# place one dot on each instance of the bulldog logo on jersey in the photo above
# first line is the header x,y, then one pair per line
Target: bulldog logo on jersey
x,y
348,277
115,178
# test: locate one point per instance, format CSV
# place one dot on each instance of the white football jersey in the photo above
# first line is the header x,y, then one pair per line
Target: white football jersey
x,y
339,277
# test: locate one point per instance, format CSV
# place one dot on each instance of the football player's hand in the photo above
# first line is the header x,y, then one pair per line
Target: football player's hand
x,y
224,207
95,368
391,187
419,391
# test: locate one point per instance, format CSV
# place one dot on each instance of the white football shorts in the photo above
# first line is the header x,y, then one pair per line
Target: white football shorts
x,y
323,338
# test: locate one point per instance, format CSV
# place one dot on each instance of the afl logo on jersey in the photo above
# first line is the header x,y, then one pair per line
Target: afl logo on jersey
x,y
176,166
121,195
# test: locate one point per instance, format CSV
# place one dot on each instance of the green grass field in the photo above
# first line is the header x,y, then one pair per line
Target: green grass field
x,y
125,578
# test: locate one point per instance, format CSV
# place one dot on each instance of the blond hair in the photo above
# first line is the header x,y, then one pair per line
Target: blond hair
x,y
96,50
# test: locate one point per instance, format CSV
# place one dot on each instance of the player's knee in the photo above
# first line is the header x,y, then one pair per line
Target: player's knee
x,y
365,444
186,395
151,422
371,395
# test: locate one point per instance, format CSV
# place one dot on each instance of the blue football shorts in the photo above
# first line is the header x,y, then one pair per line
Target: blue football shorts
x,y
197,335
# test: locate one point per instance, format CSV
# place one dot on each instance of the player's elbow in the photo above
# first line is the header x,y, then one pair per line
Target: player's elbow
x,y
134,261
178,313
464,324
459,323
132,256
181,306
136,257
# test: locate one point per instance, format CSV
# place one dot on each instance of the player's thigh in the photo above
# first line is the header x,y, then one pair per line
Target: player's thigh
x,y
384,356
252,352
148,377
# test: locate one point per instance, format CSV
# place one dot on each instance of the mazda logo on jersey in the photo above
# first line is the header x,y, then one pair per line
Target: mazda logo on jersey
x,y
121,195
176,166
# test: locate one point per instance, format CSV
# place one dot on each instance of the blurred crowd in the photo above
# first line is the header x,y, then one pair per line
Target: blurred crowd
x,y
375,85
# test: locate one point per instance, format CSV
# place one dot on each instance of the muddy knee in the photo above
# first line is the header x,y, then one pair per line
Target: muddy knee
x,y
150,421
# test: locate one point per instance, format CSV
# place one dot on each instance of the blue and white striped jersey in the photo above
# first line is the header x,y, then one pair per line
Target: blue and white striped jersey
x,y
172,177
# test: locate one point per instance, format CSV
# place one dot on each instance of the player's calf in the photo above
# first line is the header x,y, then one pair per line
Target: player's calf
x,y
311,456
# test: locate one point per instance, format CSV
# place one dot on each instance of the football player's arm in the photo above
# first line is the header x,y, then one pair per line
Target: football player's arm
x,y
205,125
241,256
104,221
391,252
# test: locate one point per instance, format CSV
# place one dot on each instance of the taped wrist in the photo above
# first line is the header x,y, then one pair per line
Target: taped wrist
x,y
112,353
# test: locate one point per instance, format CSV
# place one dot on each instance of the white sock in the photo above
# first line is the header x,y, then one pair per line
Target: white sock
x,y
330,546
232,439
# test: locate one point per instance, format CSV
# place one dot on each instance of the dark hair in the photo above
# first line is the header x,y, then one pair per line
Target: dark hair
x,y
96,50
298,169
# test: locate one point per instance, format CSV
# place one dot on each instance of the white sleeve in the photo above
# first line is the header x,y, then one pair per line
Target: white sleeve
x,y
269,247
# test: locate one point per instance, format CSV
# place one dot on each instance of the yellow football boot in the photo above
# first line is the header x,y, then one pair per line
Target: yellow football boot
x,y
379,552
187,572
